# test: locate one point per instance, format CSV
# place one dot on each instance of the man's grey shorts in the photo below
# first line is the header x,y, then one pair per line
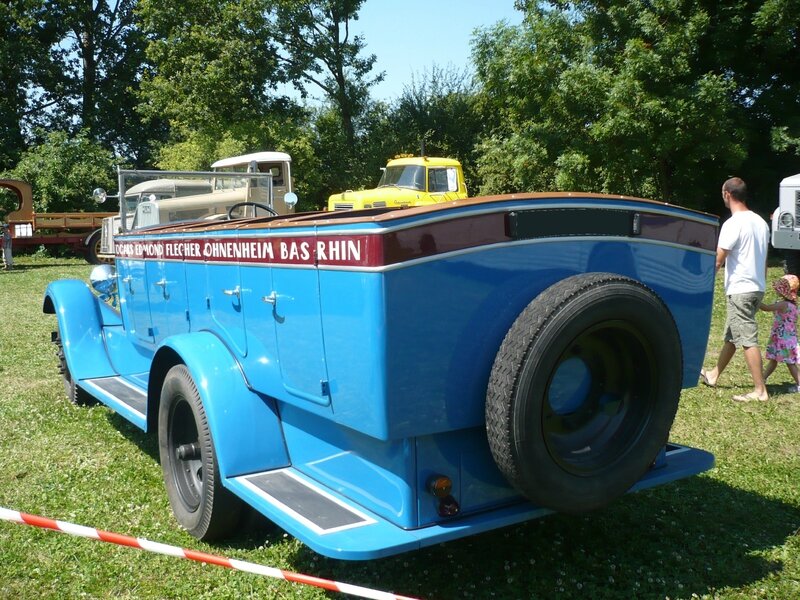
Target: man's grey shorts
x,y
741,328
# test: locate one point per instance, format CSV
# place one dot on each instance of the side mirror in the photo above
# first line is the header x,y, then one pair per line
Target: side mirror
x,y
290,199
99,195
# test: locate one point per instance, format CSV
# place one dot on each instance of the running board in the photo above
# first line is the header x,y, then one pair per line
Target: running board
x,y
127,399
305,501
335,526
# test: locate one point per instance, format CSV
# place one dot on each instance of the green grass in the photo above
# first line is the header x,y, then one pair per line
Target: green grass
x,y
730,533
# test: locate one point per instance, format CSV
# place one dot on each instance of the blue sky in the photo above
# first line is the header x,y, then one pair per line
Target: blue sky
x,y
410,36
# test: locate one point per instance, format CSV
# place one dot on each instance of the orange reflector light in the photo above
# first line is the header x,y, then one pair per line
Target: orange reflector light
x,y
440,486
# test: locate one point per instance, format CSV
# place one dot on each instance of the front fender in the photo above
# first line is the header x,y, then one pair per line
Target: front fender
x,y
245,426
81,318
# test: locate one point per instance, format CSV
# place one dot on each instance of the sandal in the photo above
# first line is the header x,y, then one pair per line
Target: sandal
x,y
704,379
751,397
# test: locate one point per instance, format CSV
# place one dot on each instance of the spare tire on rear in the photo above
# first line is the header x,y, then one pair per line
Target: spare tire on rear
x,y
583,391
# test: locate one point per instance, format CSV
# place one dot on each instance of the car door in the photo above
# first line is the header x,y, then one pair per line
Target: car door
x,y
134,300
298,333
166,286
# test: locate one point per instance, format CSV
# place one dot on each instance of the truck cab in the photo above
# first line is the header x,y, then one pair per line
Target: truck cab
x,y
413,181
154,190
186,195
279,164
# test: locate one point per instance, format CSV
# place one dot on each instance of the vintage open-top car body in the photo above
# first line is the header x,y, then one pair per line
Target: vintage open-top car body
x,y
377,381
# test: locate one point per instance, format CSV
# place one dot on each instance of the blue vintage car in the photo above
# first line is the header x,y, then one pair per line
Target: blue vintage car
x,y
378,381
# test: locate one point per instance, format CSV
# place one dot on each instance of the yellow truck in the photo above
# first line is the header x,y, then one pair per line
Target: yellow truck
x,y
413,181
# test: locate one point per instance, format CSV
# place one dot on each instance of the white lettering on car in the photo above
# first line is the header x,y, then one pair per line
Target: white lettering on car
x,y
293,251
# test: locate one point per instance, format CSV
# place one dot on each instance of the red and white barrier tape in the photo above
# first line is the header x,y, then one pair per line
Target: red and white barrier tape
x,y
238,565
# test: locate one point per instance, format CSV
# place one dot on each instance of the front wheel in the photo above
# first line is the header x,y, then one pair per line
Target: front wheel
x,y
75,394
191,474
93,252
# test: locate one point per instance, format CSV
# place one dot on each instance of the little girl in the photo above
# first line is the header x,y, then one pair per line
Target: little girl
x,y
782,345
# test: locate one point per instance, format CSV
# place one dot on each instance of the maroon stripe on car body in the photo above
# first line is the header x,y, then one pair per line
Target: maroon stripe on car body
x,y
384,248
470,232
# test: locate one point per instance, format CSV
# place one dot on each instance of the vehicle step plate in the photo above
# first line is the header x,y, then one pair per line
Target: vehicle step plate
x,y
116,387
304,501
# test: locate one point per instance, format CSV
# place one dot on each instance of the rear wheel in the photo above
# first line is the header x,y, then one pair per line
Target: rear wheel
x,y
191,474
583,391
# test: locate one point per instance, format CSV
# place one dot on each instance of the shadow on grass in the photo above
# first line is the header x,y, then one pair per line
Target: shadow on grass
x,y
146,442
27,266
693,536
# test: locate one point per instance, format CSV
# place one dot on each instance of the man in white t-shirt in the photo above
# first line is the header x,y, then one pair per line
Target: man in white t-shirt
x,y
742,248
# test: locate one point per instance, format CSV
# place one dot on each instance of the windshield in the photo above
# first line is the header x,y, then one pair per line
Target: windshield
x,y
235,183
408,176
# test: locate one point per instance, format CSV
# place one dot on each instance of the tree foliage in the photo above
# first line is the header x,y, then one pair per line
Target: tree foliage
x,y
26,32
609,98
213,70
64,170
437,110
656,98
318,49
102,62
660,98
83,59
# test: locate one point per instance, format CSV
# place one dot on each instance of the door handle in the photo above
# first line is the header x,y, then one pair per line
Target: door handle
x,y
234,292
163,285
271,299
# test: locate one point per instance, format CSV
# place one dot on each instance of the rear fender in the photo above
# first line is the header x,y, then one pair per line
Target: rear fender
x,y
81,318
245,426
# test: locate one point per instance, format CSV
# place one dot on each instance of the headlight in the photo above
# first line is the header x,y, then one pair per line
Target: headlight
x,y
786,221
104,280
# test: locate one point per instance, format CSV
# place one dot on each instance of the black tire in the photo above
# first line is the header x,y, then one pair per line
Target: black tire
x,y
93,248
76,395
199,501
583,391
791,262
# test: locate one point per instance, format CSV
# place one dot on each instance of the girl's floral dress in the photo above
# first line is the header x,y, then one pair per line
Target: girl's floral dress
x,y
782,345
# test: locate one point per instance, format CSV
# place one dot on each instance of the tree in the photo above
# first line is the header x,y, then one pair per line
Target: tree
x,y
23,47
317,48
750,46
13,81
213,74
88,59
606,96
64,170
437,109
